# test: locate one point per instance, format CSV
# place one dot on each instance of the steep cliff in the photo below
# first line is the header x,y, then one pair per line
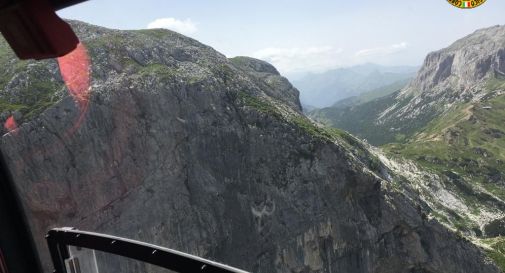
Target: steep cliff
x,y
461,72
181,147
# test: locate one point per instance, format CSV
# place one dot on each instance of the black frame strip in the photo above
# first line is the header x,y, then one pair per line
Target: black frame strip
x,y
60,238
16,241
61,4
3,266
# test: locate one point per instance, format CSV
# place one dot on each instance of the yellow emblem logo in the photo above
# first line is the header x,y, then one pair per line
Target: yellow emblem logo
x,y
466,4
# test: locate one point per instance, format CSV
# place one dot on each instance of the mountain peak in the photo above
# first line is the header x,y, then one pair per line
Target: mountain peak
x,y
273,83
248,63
491,36
464,65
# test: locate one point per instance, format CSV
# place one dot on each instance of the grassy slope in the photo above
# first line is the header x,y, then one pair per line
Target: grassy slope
x,y
359,120
470,140
34,92
467,145
496,250
279,111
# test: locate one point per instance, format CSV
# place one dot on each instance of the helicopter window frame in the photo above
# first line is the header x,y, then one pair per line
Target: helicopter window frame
x,y
59,240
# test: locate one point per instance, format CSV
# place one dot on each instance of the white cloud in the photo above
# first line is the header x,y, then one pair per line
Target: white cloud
x,y
382,51
296,59
186,27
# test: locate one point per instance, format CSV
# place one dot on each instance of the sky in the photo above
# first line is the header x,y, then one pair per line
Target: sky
x,y
302,36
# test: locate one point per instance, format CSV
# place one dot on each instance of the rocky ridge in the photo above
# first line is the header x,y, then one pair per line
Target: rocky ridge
x,y
458,73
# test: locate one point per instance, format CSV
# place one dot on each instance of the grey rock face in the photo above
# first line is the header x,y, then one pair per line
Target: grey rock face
x,y
272,83
183,148
454,74
463,64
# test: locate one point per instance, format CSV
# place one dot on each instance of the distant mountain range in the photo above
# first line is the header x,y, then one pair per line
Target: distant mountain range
x,y
325,89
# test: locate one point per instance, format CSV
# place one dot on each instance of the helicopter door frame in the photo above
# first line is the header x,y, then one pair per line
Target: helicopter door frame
x,y
59,240
3,266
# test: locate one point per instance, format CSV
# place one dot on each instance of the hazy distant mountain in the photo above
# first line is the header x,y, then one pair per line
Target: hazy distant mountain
x,y
322,90
371,95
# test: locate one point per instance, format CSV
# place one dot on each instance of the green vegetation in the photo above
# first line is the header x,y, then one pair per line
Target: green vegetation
x,y
360,120
39,96
31,100
11,107
160,71
224,71
110,41
326,133
33,94
258,104
332,134
319,132
441,217
239,61
300,121
467,143
496,83
158,33
496,251
10,64
466,147
400,137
